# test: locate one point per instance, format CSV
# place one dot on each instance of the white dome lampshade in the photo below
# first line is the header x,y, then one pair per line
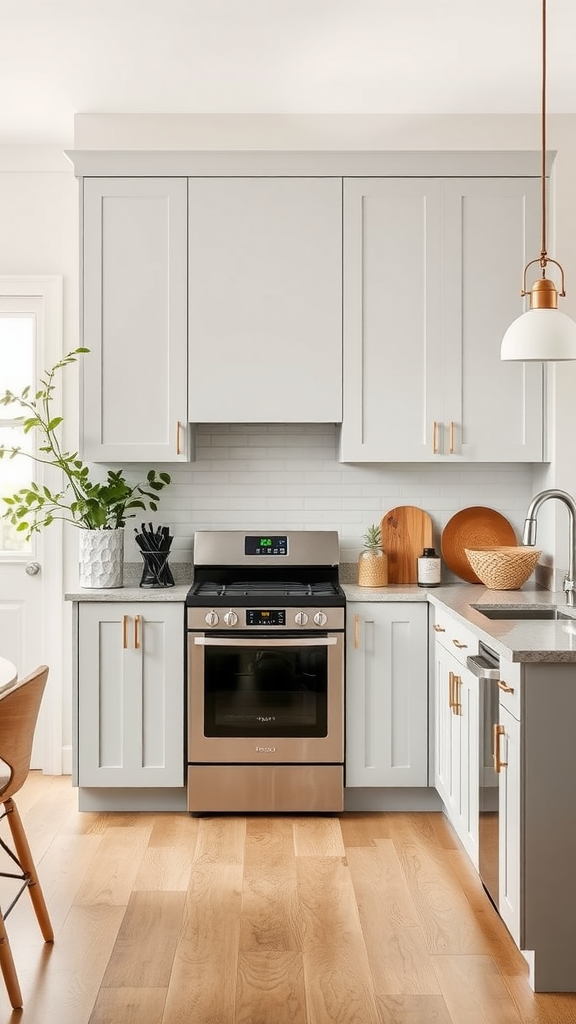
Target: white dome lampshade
x,y
540,334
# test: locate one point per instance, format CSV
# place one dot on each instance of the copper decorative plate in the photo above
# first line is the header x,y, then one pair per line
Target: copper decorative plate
x,y
474,527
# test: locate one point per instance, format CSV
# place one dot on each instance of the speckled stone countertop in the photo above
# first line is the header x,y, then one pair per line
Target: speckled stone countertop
x,y
164,594
523,640
131,591
528,640
533,640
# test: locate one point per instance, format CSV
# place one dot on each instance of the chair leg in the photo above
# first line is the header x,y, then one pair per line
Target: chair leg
x,y
25,857
8,969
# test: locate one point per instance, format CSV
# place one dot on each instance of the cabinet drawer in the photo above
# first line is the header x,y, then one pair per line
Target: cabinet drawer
x,y
509,687
454,637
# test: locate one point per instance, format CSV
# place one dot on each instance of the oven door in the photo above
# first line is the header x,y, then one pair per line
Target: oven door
x,y
262,698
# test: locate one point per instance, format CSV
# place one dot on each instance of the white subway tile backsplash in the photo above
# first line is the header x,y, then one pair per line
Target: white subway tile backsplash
x,y
287,475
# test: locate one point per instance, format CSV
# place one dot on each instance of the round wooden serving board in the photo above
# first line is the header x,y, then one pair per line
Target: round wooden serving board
x,y
474,527
405,531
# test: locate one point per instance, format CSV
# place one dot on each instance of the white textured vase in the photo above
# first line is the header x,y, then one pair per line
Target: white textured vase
x,y
101,557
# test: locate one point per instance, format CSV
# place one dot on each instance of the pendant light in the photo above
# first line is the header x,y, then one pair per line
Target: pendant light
x,y
542,332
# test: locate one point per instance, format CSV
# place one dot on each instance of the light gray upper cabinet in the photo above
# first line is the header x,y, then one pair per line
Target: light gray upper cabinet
x,y
432,273
134,312
265,299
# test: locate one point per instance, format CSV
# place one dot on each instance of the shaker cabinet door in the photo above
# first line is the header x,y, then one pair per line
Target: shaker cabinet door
x,y
510,824
265,300
494,410
456,754
387,694
392,319
130,695
432,274
134,394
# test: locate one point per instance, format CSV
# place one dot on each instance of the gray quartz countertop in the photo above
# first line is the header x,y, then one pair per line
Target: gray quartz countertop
x,y
517,640
523,640
531,640
129,593
395,592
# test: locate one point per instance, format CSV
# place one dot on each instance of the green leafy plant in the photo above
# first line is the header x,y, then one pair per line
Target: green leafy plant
x,y
88,504
372,537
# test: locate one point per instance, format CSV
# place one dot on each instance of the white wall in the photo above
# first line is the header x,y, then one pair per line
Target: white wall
x,y
277,476
39,235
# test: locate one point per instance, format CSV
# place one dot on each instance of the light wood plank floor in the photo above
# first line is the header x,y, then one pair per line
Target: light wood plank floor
x,y
168,919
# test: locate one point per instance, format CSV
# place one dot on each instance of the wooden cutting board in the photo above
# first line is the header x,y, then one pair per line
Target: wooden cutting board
x,y
405,531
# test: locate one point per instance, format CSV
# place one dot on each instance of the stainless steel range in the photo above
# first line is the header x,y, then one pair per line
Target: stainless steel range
x,y
265,668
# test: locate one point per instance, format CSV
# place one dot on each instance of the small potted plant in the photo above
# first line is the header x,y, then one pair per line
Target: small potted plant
x,y
373,561
98,508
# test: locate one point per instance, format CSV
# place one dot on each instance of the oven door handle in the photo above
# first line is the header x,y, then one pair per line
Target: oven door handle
x,y
304,641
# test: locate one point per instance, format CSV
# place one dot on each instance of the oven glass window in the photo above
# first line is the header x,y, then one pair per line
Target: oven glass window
x,y
265,691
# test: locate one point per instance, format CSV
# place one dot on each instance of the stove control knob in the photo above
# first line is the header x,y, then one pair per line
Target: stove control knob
x,y
320,619
300,618
211,618
230,618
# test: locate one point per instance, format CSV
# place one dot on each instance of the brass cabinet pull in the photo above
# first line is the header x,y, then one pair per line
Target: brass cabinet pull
x,y
136,632
439,629
504,686
451,678
356,631
457,694
124,631
178,427
435,438
458,644
451,437
498,764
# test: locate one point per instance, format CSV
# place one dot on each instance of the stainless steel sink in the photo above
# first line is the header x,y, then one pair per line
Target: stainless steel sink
x,y
520,612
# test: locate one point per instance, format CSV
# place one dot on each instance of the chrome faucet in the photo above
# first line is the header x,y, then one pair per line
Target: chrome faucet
x,y
529,535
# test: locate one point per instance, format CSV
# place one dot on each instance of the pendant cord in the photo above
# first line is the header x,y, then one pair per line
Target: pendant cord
x,y
543,252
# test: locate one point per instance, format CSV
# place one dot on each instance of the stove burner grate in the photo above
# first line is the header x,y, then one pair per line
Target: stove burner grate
x,y
265,589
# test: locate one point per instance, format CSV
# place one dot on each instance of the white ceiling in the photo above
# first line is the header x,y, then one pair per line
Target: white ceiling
x,y
61,57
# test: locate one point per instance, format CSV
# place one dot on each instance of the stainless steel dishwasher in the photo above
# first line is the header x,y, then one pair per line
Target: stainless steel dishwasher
x,y
486,667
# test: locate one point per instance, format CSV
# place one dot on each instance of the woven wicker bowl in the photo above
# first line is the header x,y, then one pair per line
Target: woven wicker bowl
x,y
503,568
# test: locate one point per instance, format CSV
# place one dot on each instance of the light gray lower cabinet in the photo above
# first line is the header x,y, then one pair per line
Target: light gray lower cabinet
x,y
387,694
130,694
456,746
456,729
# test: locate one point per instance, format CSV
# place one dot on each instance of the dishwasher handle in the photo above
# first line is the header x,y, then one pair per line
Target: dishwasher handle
x,y
481,667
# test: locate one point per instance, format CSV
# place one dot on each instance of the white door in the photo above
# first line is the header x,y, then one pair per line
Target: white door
x,y
30,571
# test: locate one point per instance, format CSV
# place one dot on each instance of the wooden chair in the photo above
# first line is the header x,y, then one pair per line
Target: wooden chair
x,y
19,707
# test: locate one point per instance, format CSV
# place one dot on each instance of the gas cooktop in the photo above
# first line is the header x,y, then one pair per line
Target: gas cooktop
x,y
290,592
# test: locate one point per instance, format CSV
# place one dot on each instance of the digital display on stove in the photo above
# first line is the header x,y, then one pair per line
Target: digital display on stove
x,y
265,616
266,545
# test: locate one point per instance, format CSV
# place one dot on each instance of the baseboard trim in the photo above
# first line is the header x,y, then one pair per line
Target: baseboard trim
x,y
393,799
108,799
